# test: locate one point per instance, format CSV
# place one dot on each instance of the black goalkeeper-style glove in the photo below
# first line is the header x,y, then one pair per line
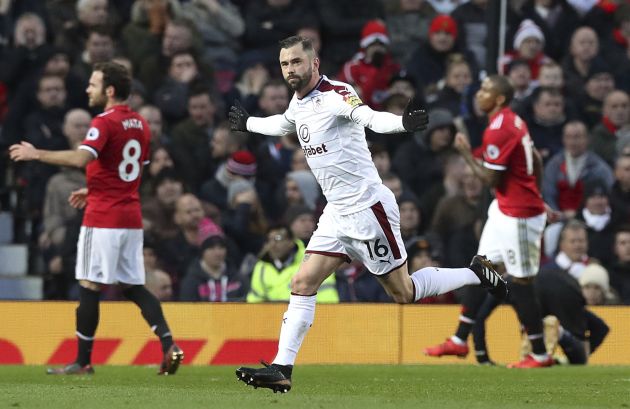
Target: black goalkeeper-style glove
x,y
415,118
238,117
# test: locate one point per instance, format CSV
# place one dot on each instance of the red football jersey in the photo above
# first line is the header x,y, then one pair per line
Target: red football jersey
x,y
119,138
507,147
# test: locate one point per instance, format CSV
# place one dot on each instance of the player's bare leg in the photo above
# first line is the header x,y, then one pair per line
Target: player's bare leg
x,y
298,318
87,316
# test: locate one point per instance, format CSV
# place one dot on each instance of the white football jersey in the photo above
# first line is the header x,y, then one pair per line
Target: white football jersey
x,y
334,145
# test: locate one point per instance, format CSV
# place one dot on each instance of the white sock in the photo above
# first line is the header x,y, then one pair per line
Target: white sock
x,y
431,281
296,321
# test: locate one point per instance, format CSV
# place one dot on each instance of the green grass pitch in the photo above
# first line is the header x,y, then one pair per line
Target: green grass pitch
x,y
325,387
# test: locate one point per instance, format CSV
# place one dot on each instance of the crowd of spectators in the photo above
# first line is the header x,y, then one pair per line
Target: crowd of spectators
x,y
227,215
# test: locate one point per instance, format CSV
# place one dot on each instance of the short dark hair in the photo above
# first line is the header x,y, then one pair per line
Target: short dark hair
x,y
503,87
117,76
307,44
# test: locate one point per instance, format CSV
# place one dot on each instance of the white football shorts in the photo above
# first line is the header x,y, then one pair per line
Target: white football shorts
x,y
513,241
110,256
371,235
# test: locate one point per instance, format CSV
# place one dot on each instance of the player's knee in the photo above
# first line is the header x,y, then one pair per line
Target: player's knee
x,y
300,284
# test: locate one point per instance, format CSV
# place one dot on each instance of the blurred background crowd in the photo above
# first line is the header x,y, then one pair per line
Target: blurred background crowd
x,y
227,215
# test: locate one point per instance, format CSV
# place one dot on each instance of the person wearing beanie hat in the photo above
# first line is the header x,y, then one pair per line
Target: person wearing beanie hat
x,y
373,66
528,45
428,62
242,163
444,23
361,218
596,285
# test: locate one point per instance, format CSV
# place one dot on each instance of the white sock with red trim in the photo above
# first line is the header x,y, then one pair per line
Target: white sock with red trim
x,y
431,281
295,324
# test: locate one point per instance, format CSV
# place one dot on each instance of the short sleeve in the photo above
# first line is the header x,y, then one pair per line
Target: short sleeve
x,y
96,136
342,101
497,149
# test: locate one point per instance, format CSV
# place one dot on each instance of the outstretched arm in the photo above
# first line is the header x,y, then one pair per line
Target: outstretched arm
x,y
413,119
275,125
24,151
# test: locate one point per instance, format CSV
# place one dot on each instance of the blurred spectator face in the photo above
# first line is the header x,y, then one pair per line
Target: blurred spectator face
x,y
220,143
597,204
530,47
153,116
574,243
441,41
30,31
150,259
201,109
441,138
593,294
176,38
584,44
551,76
313,35
188,212
402,87
168,191
410,5
471,186
159,284
292,192
575,139
599,86
100,48
409,216
160,159
214,256
622,246
549,107
395,104
298,160
75,126
617,108
183,68
544,3
520,76
421,260
58,64
395,185
382,162
303,226
92,12
375,53
51,92
274,99
622,172
459,77
279,243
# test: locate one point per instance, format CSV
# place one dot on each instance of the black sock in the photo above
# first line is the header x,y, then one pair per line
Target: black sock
x,y
87,320
526,306
479,329
472,299
152,313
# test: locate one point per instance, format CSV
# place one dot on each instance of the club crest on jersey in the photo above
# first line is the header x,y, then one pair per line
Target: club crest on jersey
x,y
492,151
304,134
317,104
352,100
92,134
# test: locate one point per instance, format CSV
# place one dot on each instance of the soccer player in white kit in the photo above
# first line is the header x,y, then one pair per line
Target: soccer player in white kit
x,y
361,220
